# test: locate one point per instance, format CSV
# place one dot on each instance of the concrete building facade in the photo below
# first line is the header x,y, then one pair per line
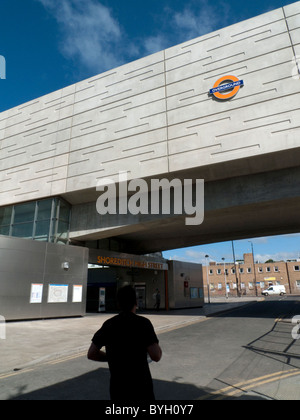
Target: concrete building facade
x,y
156,118
165,116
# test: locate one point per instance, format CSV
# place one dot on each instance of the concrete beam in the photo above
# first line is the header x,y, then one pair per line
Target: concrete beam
x,y
241,207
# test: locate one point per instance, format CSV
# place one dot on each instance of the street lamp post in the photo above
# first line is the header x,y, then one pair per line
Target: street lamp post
x,y
254,268
226,291
236,276
208,292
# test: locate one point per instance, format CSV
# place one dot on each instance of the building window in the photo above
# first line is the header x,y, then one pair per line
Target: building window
x,y
220,286
298,284
260,270
249,270
5,216
211,272
276,269
23,220
297,268
219,271
233,271
44,220
61,232
241,271
250,285
268,270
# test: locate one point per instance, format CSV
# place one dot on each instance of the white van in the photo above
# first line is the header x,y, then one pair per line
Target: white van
x,y
275,290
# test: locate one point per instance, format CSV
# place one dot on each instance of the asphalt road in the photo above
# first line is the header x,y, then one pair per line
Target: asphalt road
x,y
248,353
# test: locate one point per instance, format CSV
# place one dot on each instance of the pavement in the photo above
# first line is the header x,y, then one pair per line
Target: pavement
x,y
28,343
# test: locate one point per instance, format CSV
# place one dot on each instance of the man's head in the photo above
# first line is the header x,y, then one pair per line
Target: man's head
x,y
126,298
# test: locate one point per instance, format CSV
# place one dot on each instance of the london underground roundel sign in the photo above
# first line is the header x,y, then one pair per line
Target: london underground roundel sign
x,y
224,91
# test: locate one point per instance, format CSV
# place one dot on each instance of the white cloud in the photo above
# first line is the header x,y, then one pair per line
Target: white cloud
x,y
196,19
278,256
94,39
291,235
195,255
193,25
192,256
89,31
154,44
263,240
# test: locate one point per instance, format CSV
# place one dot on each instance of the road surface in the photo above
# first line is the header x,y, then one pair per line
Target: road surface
x,y
248,353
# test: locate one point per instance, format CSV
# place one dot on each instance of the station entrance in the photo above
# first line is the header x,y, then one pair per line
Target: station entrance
x,y
108,271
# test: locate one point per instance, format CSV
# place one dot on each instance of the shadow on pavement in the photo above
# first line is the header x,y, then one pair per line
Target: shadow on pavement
x,y
270,308
278,343
94,386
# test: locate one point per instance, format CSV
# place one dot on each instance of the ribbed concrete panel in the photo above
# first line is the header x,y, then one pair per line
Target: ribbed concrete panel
x,y
262,118
120,117
35,146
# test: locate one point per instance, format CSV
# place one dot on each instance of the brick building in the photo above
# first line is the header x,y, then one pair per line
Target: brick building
x,y
250,278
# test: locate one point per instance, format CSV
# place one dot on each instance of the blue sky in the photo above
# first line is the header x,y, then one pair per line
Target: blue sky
x,y
278,248
50,44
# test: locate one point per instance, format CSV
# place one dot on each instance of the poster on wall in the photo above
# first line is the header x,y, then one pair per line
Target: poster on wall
x,y
58,293
194,292
36,293
77,293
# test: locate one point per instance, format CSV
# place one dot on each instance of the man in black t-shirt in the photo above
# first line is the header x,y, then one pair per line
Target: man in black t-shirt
x,y
128,339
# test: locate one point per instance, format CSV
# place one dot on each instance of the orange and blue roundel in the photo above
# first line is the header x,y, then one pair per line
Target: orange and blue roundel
x,y
223,91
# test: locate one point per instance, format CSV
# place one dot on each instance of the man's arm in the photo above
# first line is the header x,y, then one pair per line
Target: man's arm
x,y
155,352
96,355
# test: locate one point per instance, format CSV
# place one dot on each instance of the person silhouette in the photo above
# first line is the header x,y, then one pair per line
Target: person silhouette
x,y
128,339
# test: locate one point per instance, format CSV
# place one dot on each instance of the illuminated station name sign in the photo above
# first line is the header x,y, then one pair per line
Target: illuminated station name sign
x,y
131,263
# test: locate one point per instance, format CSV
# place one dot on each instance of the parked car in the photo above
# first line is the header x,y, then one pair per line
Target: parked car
x,y
274,290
